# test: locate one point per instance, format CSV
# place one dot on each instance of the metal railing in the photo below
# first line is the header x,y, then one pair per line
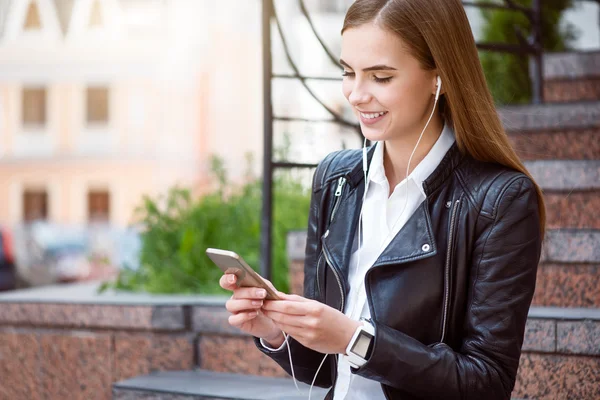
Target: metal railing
x,y
530,45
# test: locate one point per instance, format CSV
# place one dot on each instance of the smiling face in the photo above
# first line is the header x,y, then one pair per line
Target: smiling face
x,y
389,91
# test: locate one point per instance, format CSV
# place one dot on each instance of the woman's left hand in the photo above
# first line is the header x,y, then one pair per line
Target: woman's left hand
x,y
315,325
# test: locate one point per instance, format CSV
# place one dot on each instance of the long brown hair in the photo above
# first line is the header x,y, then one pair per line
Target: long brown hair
x,y
438,35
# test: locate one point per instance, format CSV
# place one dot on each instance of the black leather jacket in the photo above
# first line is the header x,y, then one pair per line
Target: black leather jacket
x,y
448,297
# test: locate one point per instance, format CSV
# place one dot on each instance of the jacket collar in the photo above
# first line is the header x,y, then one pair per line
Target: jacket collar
x,y
445,168
423,169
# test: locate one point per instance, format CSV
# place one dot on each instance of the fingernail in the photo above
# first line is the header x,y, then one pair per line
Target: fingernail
x,y
231,279
257,303
261,293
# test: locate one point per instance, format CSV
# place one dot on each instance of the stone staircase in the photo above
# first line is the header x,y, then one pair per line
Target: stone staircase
x,y
560,143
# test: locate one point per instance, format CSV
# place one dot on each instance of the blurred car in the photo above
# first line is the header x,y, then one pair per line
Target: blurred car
x,y
8,278
49,253
46,253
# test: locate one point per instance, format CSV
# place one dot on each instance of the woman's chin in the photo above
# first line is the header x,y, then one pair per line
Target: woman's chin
x,y
373,134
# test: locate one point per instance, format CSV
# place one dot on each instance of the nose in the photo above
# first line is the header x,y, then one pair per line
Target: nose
x,y
358,94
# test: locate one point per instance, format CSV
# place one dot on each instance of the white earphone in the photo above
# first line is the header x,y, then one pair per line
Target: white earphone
x,y
365,170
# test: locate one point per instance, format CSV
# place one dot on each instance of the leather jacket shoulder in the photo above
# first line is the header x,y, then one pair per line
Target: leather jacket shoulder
x,y
448,297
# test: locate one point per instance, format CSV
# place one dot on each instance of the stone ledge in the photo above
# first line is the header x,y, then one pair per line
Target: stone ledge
x,y
87,293
550,116
563,175
213,320
571,65
202,384
563,331
92,316
566,314
581,337
80,306
571,246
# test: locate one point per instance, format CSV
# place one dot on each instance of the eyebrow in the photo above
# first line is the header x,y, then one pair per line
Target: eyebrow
x,y
379,67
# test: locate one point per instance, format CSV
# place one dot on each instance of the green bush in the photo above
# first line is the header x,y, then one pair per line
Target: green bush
x,y
178,230
508,75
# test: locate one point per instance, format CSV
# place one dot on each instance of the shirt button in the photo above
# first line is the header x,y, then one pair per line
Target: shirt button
x,y
448,204
426,247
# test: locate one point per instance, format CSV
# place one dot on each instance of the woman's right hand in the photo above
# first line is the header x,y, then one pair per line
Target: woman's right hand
x,y
245,305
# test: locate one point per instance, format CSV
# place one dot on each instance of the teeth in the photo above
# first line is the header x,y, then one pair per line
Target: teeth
x,y
372,115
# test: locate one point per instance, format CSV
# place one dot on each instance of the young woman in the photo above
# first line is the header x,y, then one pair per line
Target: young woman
x,y
422,251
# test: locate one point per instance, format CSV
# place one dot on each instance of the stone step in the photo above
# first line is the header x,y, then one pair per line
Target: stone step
x,y
554,131
569,270
561,355
566,176
208,385
571,246
571,191
573,76
561,359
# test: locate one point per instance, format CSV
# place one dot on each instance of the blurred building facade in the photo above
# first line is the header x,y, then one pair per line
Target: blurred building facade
x,y
103,101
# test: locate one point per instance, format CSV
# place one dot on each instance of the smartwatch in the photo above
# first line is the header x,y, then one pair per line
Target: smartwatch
x,y
360,346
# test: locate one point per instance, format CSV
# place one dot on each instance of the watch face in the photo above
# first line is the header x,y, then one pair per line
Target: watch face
x,y
361,344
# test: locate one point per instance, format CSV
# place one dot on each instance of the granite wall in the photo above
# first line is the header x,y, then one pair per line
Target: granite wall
x,y
75,349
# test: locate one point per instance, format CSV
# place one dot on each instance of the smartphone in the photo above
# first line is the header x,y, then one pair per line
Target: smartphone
x,y
231,263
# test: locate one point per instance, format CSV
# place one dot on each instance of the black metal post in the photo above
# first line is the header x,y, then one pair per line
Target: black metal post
x,y
266,232
536,60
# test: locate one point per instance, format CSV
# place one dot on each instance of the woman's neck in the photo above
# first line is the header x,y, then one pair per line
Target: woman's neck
x,y
397,151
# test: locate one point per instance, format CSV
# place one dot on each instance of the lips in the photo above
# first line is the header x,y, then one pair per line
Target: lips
x,y
372,118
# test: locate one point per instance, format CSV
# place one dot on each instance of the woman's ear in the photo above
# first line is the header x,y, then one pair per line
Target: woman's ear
x,y
437,80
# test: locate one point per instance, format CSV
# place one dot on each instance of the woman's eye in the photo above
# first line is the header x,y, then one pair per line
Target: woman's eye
x,y
382,80
347,73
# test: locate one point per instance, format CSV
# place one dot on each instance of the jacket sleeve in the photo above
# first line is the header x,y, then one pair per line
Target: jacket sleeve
x,y
502,282
306,361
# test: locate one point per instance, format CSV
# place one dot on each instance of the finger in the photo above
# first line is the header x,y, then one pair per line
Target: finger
x,y
242,317
293,297
291,330
249,293
291,320
227,281
268,282
286,307
236,306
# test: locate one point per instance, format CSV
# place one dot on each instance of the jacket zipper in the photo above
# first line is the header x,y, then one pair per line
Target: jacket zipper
x,y
338,195
337,278
318,281
339,282
447,271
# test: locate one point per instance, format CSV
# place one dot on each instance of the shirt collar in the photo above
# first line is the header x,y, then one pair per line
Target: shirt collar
x,y
425,168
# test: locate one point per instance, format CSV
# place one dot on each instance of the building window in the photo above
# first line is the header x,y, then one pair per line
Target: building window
x,y
34,106
35,205
97,105
32,18
96,15
98,206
